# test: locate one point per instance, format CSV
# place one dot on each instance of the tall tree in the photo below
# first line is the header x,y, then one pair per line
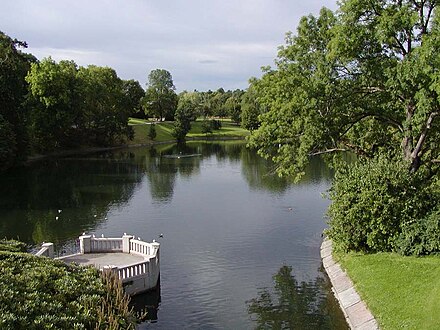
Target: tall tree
x,y
133,93
103,105
14,65
250,109
54,117
160,98
185,113
365,81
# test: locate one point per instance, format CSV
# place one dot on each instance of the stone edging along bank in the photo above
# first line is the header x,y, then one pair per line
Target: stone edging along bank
x,y
355,310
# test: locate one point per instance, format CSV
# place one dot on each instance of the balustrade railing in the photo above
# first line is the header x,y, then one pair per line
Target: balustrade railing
x,y
140,247
105,245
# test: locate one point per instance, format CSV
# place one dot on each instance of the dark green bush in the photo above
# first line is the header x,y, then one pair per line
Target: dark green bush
x,y
216,124
372,201
41,293
421,237
12,246
206,126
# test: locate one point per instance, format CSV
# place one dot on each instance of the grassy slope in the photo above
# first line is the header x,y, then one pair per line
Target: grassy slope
x,y
402,292
164,131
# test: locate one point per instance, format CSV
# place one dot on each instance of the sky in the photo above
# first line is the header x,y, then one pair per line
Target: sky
x,y
204,44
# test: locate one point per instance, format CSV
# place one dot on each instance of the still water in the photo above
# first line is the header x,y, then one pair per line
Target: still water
x,y
240,247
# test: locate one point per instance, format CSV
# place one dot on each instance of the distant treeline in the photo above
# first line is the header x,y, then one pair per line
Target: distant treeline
x,y
47,106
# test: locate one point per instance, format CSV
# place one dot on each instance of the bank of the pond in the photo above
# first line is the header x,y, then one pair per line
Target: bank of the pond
x,y
355,310
164,136
401,292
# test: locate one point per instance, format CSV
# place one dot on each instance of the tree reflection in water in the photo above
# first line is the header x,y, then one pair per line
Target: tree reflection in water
x,y
294,305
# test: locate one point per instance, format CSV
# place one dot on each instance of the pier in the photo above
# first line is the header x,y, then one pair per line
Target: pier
x,y
136,262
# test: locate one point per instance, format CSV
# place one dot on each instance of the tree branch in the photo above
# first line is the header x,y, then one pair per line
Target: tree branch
x,y
327,151
423,135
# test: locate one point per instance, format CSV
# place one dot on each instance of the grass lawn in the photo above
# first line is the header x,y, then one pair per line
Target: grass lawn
x,y
401,292
164,131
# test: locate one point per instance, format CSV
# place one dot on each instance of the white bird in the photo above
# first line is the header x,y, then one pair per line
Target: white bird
x,y
102,235
56,218
95,216
139,238
59,211
105,218
160,235
93,236
84,234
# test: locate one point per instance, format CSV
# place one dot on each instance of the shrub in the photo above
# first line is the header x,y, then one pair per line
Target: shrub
x,y
206,127
372,201
152,132
421,237
41,293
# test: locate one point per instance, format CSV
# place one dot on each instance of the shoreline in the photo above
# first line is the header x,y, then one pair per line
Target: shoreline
x,y
356,312
62,153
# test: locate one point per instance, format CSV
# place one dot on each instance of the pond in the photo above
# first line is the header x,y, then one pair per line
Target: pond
x,y
240,246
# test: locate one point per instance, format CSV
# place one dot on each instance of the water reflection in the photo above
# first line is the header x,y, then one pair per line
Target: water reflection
x,y
294,305
83,189
146,305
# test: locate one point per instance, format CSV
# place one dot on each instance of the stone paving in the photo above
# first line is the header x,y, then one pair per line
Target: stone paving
x,y
356,312
100,260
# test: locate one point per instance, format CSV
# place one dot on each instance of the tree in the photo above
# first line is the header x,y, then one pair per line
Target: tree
x,y
233,106
185,113
133,93
54,86
365,81
104,111
250,110
160,99
14,65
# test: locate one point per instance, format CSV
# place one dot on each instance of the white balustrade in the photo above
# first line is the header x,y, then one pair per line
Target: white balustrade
x,y
140,247
106,245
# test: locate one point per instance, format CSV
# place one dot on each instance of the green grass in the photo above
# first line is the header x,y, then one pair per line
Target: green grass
x,y
164,131
401,292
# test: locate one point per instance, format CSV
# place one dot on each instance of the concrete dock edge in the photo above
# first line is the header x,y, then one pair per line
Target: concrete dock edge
x,y
355,310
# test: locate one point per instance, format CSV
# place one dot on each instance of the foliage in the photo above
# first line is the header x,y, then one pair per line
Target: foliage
x,y
8,144
250,110
362,81
185,113
373,201
133,93
12,246
41,293
74,106
54,86
402,292
14,65
160,99
421,236
206,127
152,131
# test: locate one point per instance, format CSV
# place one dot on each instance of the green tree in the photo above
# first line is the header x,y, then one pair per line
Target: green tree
x,y
250,110
133,93
160,99
104,113
52,121
152,131
233,106
14,65
185,113
365,81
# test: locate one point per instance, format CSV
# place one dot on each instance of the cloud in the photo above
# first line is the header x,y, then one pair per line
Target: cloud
x,y
204,44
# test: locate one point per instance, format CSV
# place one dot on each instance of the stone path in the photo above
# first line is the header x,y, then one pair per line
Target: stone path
x,y
100,260
356,312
